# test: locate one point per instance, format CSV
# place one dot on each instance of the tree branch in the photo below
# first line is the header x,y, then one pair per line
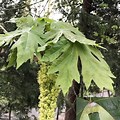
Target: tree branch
x,y
5,31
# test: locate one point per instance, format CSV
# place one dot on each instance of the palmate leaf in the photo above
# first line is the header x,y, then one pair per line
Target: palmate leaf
x,y
56,50
72,34
66,65
23,22
100,109
95,68
38,27
26,45
8,37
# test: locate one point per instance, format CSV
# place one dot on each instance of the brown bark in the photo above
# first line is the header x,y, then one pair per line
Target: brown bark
x,y
71,101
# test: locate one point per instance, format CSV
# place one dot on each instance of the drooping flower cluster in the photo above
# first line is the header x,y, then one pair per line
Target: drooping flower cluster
x,y
48,93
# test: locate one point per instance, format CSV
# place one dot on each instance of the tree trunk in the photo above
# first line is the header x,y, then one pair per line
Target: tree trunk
x,y
71,101
10,110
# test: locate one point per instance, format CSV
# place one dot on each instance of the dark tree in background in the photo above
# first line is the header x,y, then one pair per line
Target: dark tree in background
x,y
20,89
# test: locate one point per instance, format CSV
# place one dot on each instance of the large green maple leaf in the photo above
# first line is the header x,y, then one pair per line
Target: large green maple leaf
x,y
58,29
66,64
9,36
26,46
93,67
27,42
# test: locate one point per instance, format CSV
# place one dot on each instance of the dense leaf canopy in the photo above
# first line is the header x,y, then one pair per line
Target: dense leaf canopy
x,y
51,39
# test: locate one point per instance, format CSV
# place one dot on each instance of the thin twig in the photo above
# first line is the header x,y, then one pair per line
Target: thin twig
x,y
44,7
34,3
5,31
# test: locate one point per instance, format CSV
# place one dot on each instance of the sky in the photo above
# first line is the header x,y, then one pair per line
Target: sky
x,y
40,8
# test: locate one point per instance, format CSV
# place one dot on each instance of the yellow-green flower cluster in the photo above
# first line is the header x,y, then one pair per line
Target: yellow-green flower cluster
x,y
48,93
